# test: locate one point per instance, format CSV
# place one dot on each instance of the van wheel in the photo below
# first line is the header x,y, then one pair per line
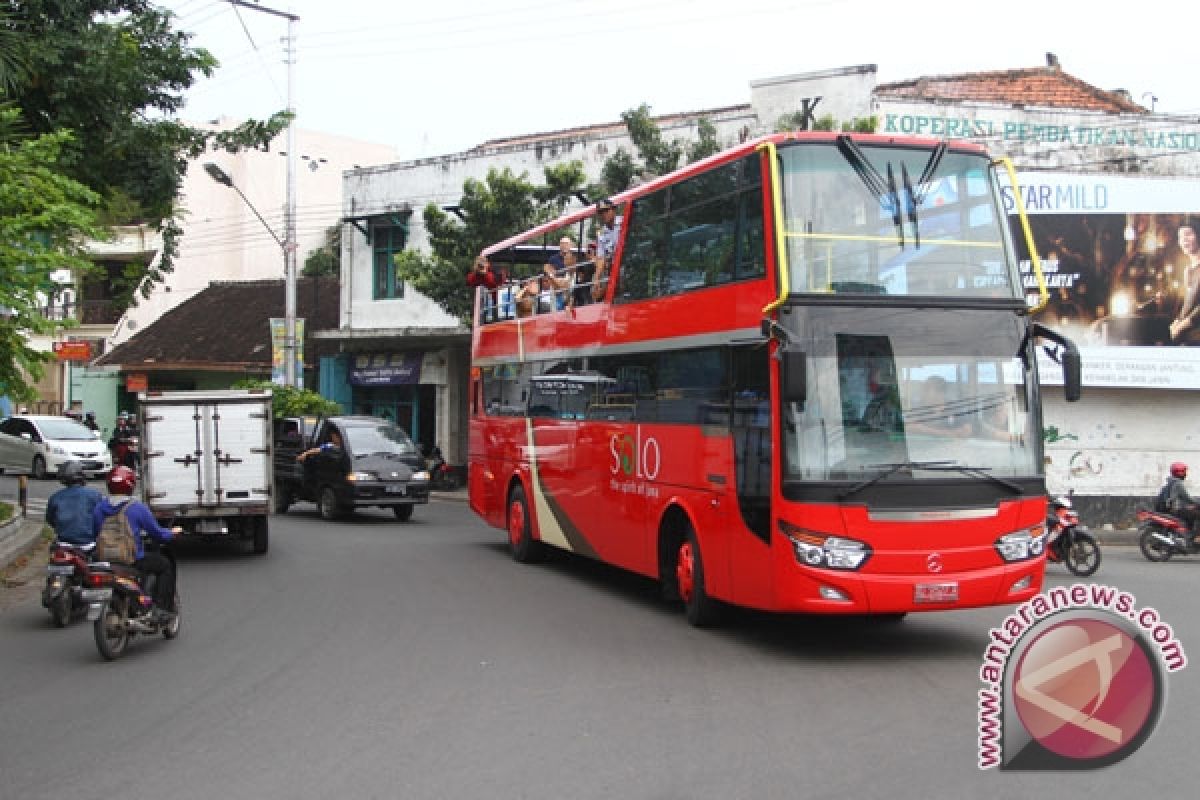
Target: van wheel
x,y
39,468
521,543
327,504
702,610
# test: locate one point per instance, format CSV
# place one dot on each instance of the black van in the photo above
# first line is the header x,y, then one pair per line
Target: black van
x,y
350,462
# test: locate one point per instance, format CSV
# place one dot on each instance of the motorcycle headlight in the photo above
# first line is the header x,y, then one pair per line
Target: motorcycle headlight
x,y
822,550
1022,545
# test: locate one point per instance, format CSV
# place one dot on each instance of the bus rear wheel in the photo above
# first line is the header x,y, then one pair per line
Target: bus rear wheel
x,y
701,610
521,543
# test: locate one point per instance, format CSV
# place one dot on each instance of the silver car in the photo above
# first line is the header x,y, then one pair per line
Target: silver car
x,y
39,444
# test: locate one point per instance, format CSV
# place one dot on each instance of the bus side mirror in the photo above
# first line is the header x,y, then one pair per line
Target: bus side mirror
x,y
1072,366
1067,357
794,377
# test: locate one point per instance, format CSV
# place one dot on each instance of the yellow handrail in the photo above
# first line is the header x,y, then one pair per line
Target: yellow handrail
x,y
1043,292
780,236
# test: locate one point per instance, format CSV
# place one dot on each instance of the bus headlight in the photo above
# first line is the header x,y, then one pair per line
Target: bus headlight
x,y
1022,545
825,551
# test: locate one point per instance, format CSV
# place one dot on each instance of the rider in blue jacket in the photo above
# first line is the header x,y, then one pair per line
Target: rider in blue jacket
x,y
121,482
70,511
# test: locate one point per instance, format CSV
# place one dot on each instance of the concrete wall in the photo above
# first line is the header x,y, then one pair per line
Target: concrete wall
x,y
1114,446
844,93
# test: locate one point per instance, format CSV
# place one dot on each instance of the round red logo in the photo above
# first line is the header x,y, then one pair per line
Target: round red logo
x,y
1086,690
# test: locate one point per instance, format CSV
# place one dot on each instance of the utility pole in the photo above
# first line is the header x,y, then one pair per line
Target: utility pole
x,y
289,213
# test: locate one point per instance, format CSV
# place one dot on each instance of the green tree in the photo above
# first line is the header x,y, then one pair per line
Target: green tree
x,y
115,72
326,259
45,218
657,155
288,401
706,143
492,210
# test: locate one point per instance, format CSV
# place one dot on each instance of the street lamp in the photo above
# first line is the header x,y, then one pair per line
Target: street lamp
x,y
289,277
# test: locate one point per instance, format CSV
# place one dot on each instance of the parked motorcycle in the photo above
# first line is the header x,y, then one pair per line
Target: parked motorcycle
x,y
1069,542
1162,535
442,476
120,607
66,573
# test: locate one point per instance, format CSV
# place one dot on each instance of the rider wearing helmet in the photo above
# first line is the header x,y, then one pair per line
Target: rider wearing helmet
x,y
69,511
121,483
1176,498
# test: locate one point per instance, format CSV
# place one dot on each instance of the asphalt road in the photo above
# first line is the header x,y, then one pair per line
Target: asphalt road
x,y
375,659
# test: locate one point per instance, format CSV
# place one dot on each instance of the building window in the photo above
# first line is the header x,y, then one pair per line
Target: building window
x,y
387,240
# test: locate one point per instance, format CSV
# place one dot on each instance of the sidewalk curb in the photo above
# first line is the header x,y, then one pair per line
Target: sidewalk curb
x,y
17,536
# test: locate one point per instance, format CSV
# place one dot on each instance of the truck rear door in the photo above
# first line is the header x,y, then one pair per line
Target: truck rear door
x,y
206,453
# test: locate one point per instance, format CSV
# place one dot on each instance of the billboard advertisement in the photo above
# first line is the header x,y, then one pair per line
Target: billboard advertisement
x,y
1121,258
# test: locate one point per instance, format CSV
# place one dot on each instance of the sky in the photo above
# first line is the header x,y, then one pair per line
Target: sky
x,y
433,78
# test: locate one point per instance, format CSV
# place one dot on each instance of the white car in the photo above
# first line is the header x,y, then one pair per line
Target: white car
x,y
39,444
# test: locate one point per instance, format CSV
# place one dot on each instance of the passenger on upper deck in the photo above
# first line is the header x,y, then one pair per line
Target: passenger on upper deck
x,y
481,274
608,231
526,297
554,290
567,264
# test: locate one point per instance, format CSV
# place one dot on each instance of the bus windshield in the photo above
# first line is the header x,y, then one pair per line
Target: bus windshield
x,y
949,390
894,220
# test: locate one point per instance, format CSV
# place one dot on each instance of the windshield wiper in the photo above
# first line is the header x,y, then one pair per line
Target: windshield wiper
x,y
892,469
982,472
886,193
935,466
910,202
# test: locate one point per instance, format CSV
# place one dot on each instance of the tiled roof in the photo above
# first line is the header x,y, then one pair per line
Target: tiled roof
x,y
226,327
1039,86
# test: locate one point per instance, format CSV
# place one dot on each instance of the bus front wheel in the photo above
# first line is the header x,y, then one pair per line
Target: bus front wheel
x,y
702,610
521,543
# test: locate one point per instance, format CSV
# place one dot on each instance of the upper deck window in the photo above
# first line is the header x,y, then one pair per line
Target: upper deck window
x,y
704,231
893,220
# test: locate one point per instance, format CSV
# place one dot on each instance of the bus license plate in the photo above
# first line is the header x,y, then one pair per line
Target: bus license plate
x,y
936,593
396,489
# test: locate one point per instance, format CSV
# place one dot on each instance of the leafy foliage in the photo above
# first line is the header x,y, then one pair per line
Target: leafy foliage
x,y
706,143
44,219
288,401
492,210
326,259
798,120
114,72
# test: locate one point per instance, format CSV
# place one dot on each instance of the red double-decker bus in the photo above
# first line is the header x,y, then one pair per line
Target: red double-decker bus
x,y
808,383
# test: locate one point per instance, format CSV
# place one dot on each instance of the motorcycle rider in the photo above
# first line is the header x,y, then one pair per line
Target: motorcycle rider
x,y
121,483
70,510
1177,501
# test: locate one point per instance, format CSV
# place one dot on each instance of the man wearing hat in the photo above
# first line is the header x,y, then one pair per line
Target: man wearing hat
x,y
607,233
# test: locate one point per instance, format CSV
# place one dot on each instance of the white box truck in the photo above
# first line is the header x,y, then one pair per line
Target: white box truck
x,y
206,461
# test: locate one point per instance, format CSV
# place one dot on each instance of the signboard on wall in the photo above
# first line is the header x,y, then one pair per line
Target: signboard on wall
x,y
386,369
137,382
1121,260
72,351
